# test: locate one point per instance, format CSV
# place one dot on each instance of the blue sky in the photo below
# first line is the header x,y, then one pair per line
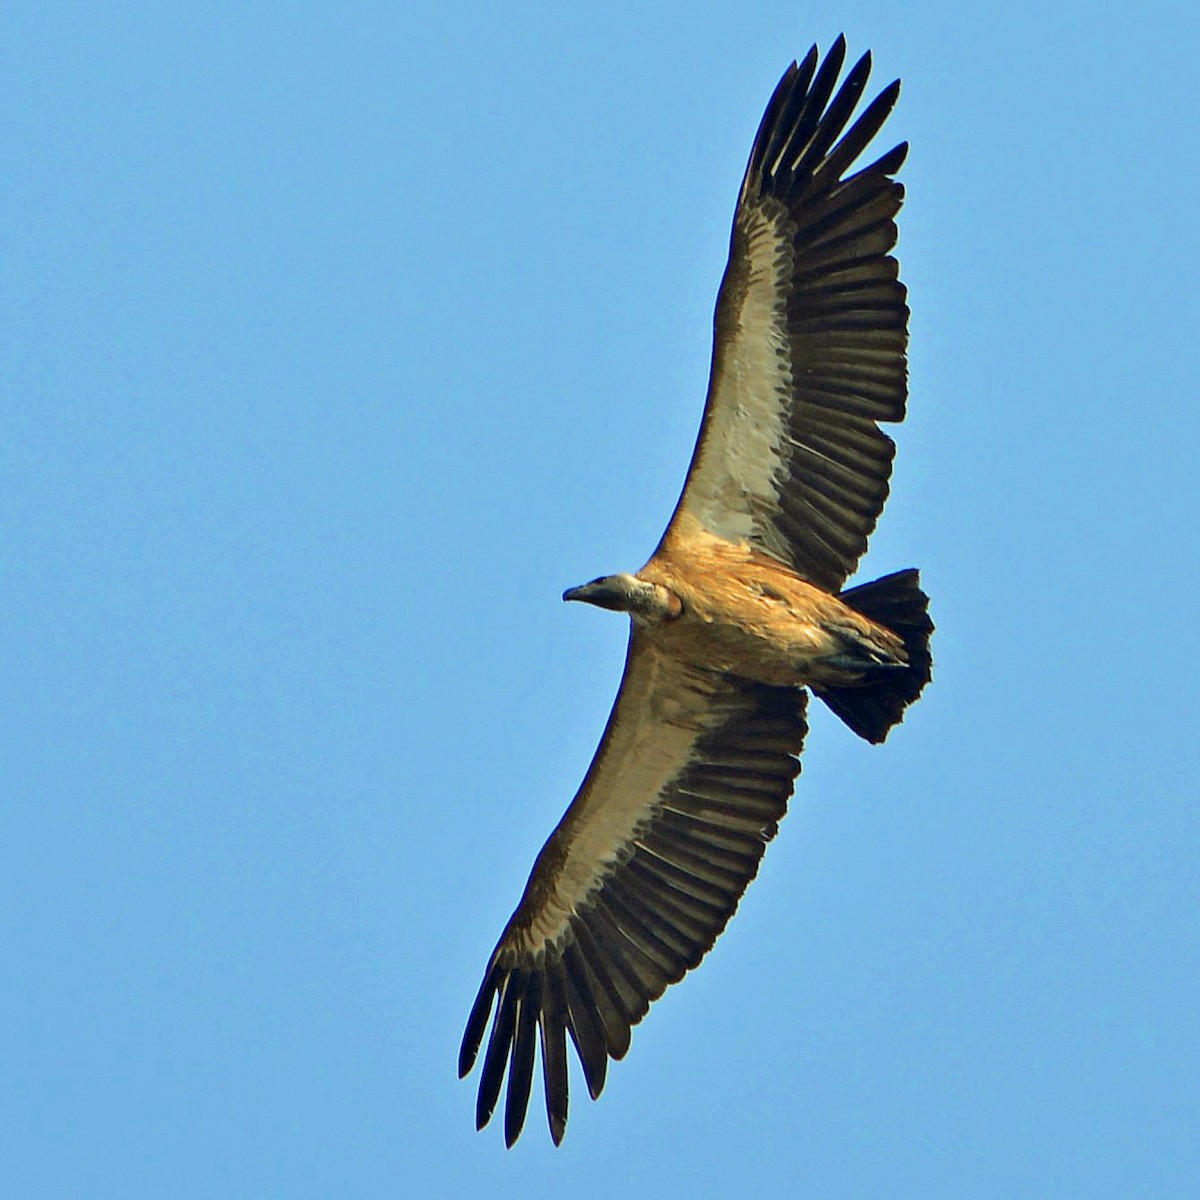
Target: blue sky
x,y
336,345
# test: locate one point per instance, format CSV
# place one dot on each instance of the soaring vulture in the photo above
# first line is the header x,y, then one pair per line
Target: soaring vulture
x,y
739,610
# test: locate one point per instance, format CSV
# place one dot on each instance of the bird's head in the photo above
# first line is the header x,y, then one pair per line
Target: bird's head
x,y
627,593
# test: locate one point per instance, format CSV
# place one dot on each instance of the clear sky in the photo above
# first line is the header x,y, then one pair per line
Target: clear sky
x,y
338,340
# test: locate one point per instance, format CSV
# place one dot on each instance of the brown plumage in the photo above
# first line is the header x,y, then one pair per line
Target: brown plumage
x,y
739,610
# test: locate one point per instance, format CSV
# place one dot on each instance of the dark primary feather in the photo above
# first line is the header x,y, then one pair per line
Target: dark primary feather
x,y
655,913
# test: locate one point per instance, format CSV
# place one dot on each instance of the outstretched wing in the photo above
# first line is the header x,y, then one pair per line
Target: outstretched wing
x,y
643,872
810,334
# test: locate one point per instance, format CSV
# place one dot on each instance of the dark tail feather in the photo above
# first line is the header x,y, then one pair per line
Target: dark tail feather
x,y
872,707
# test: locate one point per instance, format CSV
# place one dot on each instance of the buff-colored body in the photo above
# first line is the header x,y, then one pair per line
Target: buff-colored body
x,y
741,611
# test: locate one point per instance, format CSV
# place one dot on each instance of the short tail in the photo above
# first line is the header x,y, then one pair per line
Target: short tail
x,y
873,706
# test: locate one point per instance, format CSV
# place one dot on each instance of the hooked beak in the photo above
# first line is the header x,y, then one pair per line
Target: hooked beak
x,y
606,592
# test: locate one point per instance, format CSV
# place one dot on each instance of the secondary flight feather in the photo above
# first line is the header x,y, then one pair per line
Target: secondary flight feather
x,y
739,612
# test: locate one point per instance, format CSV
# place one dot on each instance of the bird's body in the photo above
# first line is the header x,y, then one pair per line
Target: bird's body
x,y
740,611
747,614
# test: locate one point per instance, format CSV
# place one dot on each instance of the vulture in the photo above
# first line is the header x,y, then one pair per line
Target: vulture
x,y
739,613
